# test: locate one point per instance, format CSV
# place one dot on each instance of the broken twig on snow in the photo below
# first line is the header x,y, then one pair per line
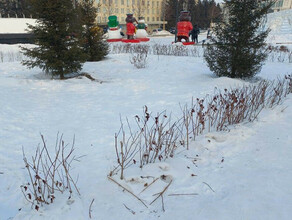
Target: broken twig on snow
x,y
209,186
183,194
90,208
161,195
129,209
149,185
127,191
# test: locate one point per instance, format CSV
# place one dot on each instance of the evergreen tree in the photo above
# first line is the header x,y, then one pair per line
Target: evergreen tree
x,y
238,48
57,51
170,12
6,7
14,8
94,45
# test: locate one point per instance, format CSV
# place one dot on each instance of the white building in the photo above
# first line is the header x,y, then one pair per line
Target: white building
x,y
282,5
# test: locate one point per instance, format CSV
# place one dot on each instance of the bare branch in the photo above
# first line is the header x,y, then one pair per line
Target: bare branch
x,y
127,190
90,208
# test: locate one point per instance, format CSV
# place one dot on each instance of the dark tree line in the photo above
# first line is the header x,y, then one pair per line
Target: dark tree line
x,y
15,8
203,12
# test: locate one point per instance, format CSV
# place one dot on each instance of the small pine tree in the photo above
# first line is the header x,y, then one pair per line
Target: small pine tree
x,y
94,45
56,36
238,47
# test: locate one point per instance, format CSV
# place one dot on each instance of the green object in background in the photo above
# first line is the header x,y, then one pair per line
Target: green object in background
x,y
113,21
141,26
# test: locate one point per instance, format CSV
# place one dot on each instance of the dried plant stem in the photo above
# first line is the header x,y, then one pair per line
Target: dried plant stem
x,y
162,203
157,137
183,194
129,209
149,185
127,148
90,208
48,173
127,190
209,186
122,161
161,193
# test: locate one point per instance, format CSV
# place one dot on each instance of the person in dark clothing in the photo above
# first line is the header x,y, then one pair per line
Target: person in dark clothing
x,y
208,34
195,32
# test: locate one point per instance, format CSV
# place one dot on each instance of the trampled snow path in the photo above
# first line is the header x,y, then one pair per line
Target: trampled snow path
x,y
280,24
251,183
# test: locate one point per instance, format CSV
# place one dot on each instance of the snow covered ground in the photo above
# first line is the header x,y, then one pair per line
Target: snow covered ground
x,y
251,183
280,24
241,174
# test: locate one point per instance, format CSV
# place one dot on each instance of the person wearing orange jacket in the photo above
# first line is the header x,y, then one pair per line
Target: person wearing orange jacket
x,y
184,26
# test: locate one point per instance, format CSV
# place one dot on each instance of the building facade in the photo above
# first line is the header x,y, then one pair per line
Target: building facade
x,y
282,5
278,6
152,10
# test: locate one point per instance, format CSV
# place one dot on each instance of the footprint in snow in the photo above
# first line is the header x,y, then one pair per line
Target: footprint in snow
x,y
164,166
216,138
166,178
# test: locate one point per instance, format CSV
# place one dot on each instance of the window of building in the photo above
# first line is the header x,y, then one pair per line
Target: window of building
x,y
148,11
153,19
122,10
157,19
148,19
117,10
278,4
157,4
153,11
285,3
122,2
104,9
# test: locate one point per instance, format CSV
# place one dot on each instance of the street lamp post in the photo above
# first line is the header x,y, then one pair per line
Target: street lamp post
x,y
176,20
163,14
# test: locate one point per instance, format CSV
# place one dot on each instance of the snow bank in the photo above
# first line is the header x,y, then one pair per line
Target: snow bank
x,y
15,25
161,33
251,182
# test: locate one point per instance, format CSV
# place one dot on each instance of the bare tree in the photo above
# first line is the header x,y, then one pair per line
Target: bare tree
x,y
140,7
